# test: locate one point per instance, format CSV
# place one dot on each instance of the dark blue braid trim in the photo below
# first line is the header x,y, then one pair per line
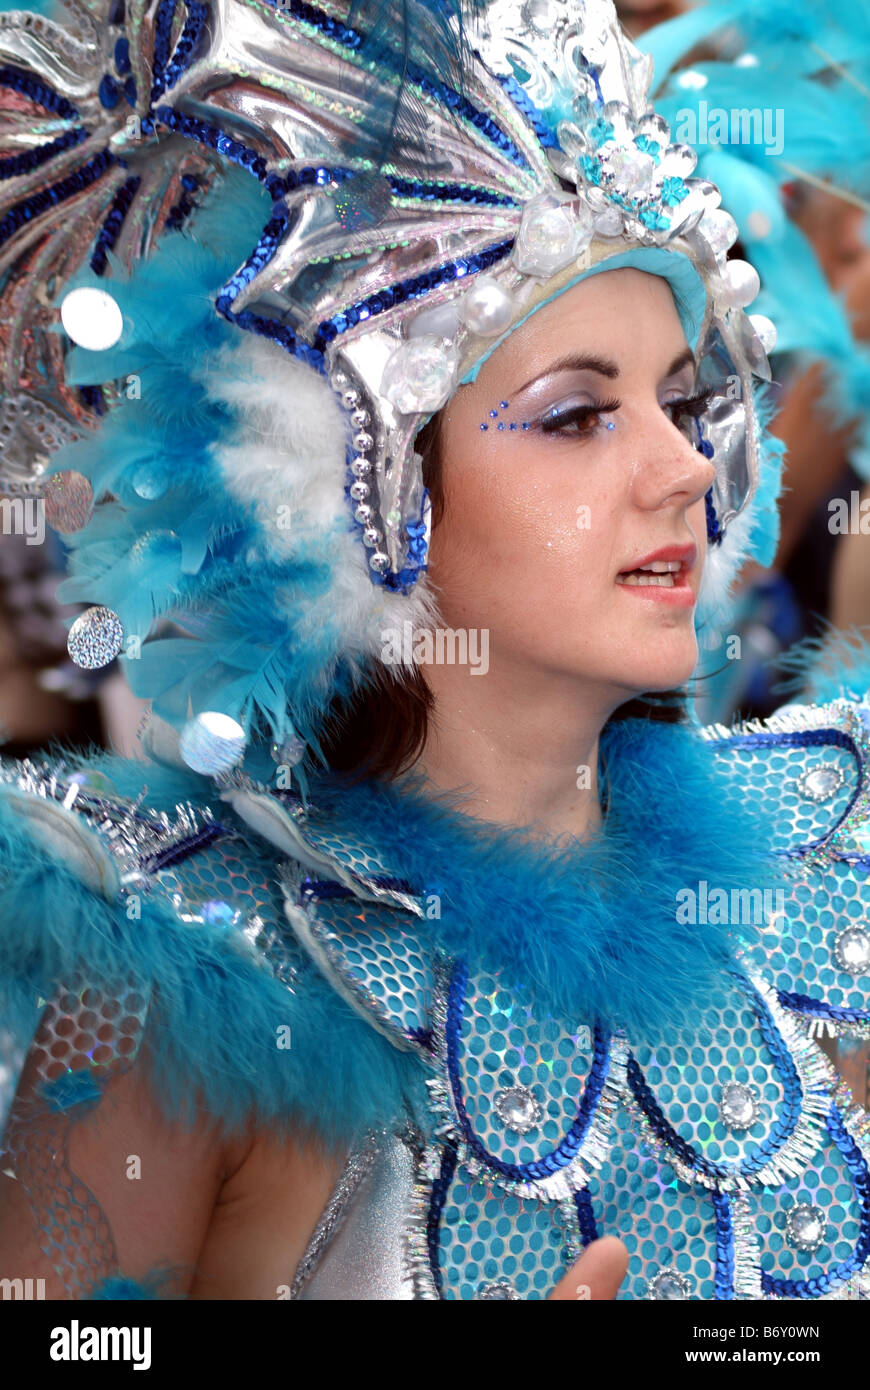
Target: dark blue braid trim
x,y
440,1188
567,1148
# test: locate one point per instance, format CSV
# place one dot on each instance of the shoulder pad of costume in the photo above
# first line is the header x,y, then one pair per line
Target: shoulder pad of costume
x,y
810,766
107,841
360,925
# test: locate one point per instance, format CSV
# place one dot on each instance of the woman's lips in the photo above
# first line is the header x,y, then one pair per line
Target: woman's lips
x,y
663,576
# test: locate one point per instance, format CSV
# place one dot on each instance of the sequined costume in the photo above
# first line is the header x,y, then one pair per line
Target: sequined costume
x,y
733,1165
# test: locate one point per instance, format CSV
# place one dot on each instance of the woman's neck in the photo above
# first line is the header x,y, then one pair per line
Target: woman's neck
x,y
525,747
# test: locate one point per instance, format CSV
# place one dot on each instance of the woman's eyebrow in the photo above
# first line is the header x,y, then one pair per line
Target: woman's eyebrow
x,y
591,362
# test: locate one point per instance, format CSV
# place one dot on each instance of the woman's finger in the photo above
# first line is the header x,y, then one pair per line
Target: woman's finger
x,y
597,1274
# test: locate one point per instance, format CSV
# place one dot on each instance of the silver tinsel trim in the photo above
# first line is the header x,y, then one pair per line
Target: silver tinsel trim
x,y
358,1164
557,1187
747,1253
133,834
834,1027
418,1268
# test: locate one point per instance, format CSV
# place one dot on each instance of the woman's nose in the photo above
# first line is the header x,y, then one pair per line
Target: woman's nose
x,y
670,469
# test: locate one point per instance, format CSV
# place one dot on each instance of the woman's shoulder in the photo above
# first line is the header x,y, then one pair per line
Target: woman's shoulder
x,y
133,897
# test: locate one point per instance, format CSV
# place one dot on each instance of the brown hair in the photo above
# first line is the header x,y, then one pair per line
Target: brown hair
x,y
382,730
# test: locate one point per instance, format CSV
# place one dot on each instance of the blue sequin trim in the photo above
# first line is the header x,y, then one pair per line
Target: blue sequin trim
x,y
724,1278
803,1004
215,138
164,859
823,1283
329,888
531,112
715,533
31,159
412,288
113,223
586,1223
783,1127
440,1188
37,203
162,36
196,17
567,1148
38,91
410,72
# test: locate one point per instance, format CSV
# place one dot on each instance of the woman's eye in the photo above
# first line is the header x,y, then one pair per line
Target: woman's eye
x,y
685,411
577,419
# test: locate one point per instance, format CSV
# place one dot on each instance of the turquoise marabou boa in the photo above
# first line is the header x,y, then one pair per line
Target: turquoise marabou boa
x,y
589,929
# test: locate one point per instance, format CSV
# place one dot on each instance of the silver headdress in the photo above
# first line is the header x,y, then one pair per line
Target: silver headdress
x,y
522,154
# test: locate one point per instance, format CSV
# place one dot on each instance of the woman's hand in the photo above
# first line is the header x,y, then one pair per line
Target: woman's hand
x,y
597,1274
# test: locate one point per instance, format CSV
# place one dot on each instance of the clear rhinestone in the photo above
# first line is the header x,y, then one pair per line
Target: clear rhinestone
x,y
819,783
517,1109
420,375
852,951
498,1289
632,169
719,230
805,1227
738,1107
669,1283
548,238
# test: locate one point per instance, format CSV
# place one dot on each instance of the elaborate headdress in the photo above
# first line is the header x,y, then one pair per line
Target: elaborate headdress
x,y
411,183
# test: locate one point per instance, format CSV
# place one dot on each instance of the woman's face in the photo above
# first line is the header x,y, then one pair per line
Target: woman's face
x,y
581,475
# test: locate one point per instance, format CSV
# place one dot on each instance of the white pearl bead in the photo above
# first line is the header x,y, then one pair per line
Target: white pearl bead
x,y
738,285
765,329
487,308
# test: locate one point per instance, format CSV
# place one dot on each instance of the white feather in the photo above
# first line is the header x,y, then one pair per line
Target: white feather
x,y
287,459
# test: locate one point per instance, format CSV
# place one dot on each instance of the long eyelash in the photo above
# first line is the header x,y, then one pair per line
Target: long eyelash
x,y
554,424
694,405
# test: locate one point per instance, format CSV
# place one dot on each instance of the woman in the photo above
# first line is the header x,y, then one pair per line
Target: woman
x,y
442,1022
